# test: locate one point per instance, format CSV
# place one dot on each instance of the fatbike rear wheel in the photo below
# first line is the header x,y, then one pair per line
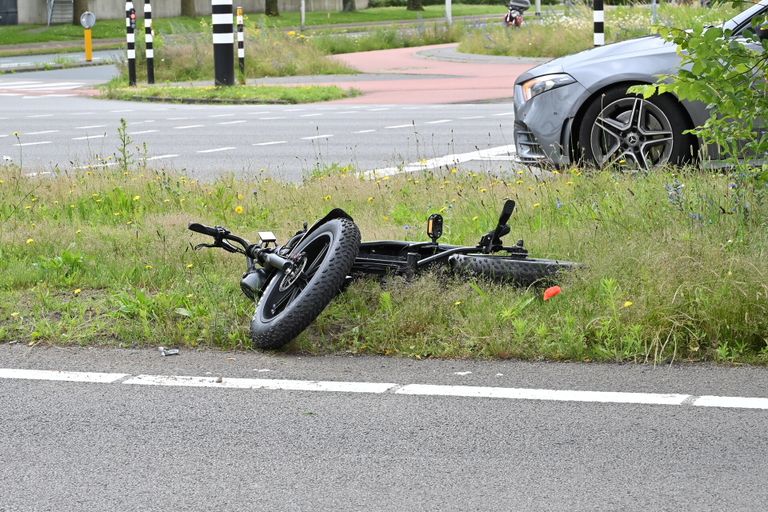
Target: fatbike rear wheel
x,y
506,269
292,300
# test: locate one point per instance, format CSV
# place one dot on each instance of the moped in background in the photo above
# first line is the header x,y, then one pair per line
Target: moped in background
x,y
515,10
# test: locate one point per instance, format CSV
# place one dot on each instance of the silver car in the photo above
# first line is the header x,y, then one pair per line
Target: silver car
x,y
578,107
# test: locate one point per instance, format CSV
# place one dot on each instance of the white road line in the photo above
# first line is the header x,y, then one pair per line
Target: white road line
x,y
222,115
325,136
100,378
546,395
447,160
394,127
504,114
216,150
58,96
380,109
739,402
122,111
557,395
439,121
295,109
90,127
239,121
349,112
160,157
134,123
42,132
179,118
260,112
271,143
8,94
364,131
142,132
270,118
467,118
88,137
187,127
310,115
38,116
23,144
273,384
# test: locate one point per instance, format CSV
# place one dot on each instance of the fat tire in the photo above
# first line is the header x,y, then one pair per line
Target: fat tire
x,y
273,332
505,269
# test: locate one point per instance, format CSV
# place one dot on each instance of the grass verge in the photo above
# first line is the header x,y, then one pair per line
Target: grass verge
x,y
235,94
676,263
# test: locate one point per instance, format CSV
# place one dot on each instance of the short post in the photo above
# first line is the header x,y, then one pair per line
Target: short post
x,y
599,19
223,42
302,14
448,13
88,45
241,44
130,27
149,40
538,8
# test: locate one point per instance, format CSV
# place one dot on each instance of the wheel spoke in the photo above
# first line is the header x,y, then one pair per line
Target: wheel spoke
x,y
315,264
637,113
610,126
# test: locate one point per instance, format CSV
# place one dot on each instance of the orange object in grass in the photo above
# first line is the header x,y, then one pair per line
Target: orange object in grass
x,y
551,292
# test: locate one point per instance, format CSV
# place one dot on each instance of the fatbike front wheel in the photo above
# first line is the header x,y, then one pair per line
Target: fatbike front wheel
x,y
522,272
292,300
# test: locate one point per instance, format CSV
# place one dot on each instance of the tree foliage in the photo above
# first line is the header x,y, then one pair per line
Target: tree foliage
x,y
729,73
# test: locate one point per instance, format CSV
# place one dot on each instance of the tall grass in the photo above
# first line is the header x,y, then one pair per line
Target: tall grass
x,y
269,53
556,35
675,263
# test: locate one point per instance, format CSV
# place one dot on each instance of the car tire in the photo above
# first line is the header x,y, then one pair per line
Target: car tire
x,y
624,130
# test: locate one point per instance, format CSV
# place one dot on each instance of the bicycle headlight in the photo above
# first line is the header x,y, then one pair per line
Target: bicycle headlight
x,y
544,83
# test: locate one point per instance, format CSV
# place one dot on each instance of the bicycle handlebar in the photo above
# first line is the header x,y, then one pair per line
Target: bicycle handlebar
x,y
205,230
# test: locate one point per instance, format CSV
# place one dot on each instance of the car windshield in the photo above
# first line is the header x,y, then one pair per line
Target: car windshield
x,y
745,16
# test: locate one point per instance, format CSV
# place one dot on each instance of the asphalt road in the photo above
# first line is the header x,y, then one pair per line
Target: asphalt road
x,y
46,125
116,446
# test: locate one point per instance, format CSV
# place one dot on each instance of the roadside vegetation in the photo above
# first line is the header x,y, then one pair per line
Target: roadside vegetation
x,y
262,94
675,262
574,29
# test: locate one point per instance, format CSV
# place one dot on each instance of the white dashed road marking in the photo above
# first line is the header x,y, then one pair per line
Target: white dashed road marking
x,y
88,137
160,157
442,161
325,136
24,144
271,143
396,126
187,127
439,121
216,150
547,395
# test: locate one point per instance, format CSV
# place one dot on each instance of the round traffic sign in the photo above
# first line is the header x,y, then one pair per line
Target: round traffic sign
x,y
87,19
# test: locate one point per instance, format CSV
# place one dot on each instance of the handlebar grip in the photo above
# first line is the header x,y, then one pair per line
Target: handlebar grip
x,y
506,211
205,230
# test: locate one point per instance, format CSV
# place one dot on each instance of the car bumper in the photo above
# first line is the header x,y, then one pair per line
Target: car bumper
x,y
542,125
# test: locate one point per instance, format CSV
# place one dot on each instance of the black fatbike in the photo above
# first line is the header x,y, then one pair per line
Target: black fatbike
x,y
293,283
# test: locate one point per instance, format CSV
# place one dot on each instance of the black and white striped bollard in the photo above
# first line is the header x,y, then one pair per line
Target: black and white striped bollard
x,y
149,40
130,36
599,18
223,42
241,44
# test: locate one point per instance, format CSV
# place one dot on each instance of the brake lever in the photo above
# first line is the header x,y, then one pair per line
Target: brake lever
x,y
200,246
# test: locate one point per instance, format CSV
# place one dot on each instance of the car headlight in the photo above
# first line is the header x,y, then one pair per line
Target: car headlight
x,y
544,83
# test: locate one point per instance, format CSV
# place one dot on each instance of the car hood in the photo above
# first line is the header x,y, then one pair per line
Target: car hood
x,y
652,55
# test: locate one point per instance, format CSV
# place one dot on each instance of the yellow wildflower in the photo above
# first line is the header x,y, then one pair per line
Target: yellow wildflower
x,y
239,210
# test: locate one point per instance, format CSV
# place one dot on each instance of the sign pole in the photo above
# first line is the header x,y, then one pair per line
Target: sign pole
x,y
223,42
149,40
599,20
130,36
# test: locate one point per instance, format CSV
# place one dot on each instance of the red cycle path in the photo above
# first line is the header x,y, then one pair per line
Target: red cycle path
x,y
461,80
